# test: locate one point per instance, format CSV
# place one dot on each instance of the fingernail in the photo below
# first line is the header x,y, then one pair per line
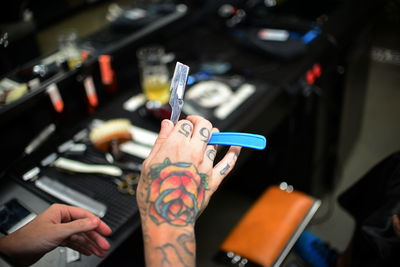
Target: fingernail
x,y
166,122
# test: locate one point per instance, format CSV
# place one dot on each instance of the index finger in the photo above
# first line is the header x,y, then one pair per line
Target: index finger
x,y
72,213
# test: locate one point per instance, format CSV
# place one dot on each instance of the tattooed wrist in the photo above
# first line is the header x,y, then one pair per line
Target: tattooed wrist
x,y
175,249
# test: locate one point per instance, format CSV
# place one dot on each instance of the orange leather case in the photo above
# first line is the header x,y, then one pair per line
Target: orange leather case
x,y
265,230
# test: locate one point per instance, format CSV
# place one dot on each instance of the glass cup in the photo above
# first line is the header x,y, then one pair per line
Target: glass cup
x,y
68,45
154,74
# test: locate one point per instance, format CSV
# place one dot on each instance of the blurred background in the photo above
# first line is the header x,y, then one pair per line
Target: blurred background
x,y
325,129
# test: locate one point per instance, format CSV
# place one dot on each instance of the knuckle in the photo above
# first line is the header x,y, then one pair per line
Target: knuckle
x,y
211,153
197,157
56,206
199,120
185,127
194,117
81,223
181,122
203,121
207,124
191,125
233,161
75,238
146,165
215,130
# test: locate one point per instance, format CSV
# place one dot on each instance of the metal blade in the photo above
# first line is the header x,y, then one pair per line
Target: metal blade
x,y
178,85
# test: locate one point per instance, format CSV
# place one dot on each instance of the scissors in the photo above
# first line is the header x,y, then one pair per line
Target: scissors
x,y
178,86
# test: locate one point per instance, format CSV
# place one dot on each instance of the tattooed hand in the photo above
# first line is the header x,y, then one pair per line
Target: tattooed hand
x,y
177,181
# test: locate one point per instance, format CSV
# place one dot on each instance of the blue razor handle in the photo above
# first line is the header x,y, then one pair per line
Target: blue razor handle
x,y
255,141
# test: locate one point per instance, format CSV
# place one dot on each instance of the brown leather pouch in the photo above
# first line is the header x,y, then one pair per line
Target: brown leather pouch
x,y
269,229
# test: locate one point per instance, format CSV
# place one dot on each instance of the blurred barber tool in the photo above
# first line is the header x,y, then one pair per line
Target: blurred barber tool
x,y
70,196
109,135
278,43
40,138
11,90
141,14
4,40
80,167
127,184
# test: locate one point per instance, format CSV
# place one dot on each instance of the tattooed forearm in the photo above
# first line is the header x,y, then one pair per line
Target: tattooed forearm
x,y
186,129
187,243
181,254
205,133
170,256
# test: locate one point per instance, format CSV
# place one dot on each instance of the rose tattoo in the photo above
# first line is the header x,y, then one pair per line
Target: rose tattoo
x,y
176,193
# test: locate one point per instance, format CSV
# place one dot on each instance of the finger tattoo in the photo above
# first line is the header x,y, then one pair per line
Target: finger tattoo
x,y
186,129
211,154
205,133
225,169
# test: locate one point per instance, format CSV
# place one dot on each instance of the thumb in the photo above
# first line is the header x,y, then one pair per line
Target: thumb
x,y
78,226
166,128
